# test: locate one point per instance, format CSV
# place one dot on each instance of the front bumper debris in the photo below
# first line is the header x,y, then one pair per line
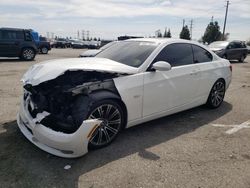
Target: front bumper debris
x,y
56,143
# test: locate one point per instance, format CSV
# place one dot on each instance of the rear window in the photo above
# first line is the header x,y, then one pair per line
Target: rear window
x,y
201,55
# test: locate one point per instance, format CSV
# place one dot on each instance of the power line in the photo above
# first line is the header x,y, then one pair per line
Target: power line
x,y
225,21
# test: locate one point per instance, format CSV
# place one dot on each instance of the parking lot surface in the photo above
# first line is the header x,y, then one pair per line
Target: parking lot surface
x,y
196,148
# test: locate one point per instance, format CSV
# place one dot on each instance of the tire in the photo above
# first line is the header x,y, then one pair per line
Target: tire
x,y
108,111
28,54
242,58
44,50
217,94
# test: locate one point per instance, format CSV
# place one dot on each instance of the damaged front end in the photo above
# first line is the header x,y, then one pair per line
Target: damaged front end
x,y
61,98
54,113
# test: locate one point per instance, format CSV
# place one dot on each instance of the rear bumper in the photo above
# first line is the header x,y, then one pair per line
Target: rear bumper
x,y
57,143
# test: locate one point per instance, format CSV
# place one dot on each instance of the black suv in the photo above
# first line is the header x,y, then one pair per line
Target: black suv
x,y
235,50
17,43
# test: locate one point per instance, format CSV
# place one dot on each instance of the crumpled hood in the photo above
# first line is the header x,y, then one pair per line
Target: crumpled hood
x,y
51,69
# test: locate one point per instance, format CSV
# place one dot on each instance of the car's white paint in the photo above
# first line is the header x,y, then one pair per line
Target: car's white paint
x,y
49,70
147,95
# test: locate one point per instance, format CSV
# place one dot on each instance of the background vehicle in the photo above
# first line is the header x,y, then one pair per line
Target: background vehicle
x,y
62,43
93,52
235,50
85,102
78,44
17,43
44,45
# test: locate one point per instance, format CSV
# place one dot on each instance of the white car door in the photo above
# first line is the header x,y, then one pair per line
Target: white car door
x,y
208,69
165,90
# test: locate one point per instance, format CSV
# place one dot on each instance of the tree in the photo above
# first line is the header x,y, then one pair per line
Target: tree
x,y
185,33
169,34
159,35
212,33
165,33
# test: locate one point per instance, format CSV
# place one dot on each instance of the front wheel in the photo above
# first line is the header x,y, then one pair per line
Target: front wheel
x,y
111,115
28,54
217,94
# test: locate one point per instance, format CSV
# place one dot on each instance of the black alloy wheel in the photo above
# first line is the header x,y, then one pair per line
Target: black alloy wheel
x,y
111,115
217,94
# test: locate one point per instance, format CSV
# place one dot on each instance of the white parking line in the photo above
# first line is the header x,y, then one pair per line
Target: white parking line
x,y
235,128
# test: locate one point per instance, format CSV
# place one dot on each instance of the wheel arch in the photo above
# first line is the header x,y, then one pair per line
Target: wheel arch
x,y
106,94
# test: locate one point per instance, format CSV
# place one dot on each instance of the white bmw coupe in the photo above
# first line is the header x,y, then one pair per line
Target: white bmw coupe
x,y
72,105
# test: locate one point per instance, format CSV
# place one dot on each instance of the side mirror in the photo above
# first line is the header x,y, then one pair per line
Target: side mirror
x,y
161,66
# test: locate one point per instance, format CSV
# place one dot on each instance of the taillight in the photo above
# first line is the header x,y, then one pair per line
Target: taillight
x,y
231,68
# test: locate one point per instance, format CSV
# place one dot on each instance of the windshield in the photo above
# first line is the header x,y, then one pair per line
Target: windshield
x,y
107,45
218,44
132,53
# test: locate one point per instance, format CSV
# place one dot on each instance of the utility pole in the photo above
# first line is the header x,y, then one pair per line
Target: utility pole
x,y
87,35
83,35
225,21
78,34
191,28
183,23
212,19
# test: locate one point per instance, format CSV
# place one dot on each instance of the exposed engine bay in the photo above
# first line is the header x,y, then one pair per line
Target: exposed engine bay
x,y
68,97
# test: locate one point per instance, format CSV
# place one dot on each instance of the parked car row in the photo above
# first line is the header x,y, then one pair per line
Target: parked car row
x,y
75,43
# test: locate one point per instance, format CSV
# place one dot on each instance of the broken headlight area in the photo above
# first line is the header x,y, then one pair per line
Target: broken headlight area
x,y
64,96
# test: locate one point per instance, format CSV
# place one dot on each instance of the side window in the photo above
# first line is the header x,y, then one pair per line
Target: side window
x,y
231,45
238,45
0,34
201,55
28,36
176,54
12,35
243,45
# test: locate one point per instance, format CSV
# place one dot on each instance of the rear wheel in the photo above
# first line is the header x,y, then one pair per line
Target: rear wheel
x,y
28,54
217,94
111,115
44,50
224,56
242,58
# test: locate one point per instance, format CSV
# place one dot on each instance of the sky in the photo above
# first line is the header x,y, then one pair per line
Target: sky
x,y
109,19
